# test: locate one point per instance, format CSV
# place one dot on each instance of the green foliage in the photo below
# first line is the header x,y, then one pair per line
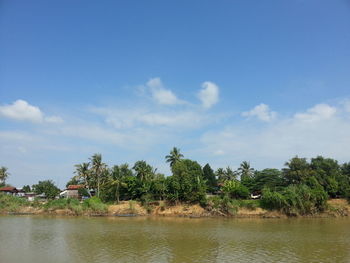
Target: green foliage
x,y
298,169
224,175
245,171
4,174
272,200
222,205
234,189
187,182
174,156
210,179
72,181
64,203
267,178
11,203
46,187
94,204
26,189
295,199
328,173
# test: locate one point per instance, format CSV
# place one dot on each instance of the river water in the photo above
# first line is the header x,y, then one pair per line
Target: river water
x,y
81,239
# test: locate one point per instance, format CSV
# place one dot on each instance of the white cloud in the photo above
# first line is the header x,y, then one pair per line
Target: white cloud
x,y
21,110
317,113
262,112
317,131
209,94
160,94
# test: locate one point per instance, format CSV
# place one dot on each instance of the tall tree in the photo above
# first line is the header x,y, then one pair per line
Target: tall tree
x,y
245,170
174,156
225,174
83,174
188,179
143,170
4,174
46,187
210,179
298,169
115,182
328,172
98,168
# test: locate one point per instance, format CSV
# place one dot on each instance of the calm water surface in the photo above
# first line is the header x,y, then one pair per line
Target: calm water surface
x,y
53,239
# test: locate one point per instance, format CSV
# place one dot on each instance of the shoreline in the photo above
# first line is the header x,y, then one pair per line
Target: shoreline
x,y
336,208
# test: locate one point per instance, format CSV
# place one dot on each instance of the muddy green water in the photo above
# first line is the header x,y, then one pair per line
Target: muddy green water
x,y
69,239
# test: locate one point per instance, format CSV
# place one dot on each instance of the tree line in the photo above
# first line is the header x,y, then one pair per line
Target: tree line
x,y
303,186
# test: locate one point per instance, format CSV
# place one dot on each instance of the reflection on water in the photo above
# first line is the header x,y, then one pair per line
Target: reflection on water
x,y
54,239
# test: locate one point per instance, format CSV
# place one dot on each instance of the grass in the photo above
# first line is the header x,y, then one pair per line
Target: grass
x,y
94,204
66,203
11,203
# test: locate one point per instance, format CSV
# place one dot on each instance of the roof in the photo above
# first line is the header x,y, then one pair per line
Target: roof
x,y
8,189
74,186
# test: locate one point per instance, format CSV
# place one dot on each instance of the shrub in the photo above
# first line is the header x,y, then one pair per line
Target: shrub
x,y
296,199
64,203
235,189
222,205
12,203
272,200
94,204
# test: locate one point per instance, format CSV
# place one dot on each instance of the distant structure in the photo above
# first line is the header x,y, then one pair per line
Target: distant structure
x,y
72,191
10,190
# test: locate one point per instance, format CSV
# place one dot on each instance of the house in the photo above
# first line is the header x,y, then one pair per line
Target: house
x,y
30,196
72,191
10,190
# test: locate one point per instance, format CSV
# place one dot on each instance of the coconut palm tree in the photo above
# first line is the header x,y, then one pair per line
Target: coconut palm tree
x,y
143,170
98,168
245,170
115,180
83,173
3,174
174,156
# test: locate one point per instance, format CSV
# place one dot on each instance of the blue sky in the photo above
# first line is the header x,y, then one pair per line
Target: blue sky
x,y
225,81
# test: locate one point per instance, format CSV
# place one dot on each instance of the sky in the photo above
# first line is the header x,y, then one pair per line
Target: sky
x,y
224,81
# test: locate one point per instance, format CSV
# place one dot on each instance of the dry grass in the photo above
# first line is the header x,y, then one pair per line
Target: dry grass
x,y
126,207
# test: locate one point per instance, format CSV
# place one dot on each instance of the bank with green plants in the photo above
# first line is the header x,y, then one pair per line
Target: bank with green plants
x,y
302,188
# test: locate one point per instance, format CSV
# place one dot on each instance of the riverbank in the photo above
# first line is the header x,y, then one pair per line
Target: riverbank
x,y
93,207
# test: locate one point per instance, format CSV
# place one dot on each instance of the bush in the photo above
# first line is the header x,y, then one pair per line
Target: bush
x,y
272,200
296,199
64,203
248,204
95,204
11,203
234,189
221,205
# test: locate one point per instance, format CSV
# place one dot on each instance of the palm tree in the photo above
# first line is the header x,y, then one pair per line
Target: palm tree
x,y
245,170
115,180
3,174
143,170
97,168
174,156
225,174
83,173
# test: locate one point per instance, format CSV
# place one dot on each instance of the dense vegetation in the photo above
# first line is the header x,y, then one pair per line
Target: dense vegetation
x,y
302,187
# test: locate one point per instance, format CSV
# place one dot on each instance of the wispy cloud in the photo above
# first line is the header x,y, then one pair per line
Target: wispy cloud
x,y
262,112
316,131
160,94
209,94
